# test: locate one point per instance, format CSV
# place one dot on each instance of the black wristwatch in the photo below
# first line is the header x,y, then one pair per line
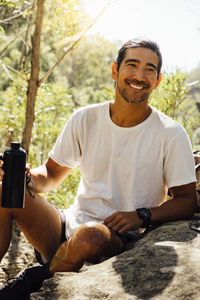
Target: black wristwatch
x,y
145,215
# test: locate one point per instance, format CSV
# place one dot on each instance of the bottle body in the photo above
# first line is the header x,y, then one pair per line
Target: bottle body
x,y
13,183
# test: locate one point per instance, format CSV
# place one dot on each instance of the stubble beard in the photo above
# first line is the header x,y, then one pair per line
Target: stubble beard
x,y
144,97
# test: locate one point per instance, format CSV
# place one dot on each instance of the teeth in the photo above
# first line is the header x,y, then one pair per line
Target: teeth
x,y
136,87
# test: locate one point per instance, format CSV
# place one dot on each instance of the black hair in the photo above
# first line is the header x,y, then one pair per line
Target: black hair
x,y
136,43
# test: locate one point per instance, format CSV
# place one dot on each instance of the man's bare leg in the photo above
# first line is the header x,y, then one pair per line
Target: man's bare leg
x,y
90,243
40,222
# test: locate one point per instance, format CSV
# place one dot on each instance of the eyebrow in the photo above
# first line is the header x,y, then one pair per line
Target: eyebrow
x,y
138,61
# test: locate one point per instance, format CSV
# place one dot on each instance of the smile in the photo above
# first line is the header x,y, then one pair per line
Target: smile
x,y
137,87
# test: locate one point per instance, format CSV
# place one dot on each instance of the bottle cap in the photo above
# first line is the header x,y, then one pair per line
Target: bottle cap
x,y
15,145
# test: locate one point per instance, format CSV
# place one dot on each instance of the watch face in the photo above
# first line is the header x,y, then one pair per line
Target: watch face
x,y
144,213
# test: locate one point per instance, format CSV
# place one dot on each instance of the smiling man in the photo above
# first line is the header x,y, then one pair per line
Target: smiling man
x,y
130,155
139,71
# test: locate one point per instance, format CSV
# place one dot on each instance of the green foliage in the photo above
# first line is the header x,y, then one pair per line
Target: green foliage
x,y
13,13
171,98
196,139
53,108
193,80
64,18
64,195
170,93
12,108
194,96
83,78
1,29
88,71
11,3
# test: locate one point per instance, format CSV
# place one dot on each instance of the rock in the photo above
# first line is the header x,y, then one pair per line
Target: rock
x,y
162,265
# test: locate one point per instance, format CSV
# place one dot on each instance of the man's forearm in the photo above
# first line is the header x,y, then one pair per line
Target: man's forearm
x,y
47,177
182,206
172,210
177,208
42,181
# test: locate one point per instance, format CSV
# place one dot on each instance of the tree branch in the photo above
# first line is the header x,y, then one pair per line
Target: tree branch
x,y
8,74
12,41
43,79
6,21
15,71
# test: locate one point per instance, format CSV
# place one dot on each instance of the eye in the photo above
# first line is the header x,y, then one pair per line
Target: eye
x,y
150,70
132,65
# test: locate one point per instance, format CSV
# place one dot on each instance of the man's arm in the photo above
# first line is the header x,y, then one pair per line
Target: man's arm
x,y
182,205
47,177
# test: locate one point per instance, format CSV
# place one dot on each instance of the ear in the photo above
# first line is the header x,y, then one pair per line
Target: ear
x,y
114,70
158,81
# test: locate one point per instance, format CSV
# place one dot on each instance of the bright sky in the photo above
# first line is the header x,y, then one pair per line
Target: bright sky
x,y
173,24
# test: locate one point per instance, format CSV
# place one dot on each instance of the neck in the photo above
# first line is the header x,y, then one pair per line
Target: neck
x,y
126,114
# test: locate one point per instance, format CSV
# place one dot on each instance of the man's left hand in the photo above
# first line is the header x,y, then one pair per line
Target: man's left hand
x,y
122,221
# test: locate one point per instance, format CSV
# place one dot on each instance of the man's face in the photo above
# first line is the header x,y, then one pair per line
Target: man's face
x,y
137,75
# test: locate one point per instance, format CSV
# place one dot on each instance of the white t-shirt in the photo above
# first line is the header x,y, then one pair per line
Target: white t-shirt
x,y
122,168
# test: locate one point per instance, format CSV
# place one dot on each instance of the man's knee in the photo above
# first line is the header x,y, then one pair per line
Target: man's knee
x,y
92,240
90,243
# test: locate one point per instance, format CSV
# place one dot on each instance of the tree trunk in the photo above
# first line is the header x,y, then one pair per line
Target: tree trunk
x,y
34,78
34,82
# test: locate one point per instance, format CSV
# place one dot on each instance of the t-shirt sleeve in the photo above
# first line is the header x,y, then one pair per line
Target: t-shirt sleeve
x,y
179,168
67,150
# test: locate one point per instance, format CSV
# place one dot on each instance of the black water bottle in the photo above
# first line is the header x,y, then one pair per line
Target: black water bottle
x,y
13,183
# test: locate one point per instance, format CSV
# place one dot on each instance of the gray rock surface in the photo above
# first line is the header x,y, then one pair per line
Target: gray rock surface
x,y
165,264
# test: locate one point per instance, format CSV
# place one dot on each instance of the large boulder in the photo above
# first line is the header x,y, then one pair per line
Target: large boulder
x,y
165,264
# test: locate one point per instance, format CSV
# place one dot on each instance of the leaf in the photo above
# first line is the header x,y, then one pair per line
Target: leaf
x,y
1,29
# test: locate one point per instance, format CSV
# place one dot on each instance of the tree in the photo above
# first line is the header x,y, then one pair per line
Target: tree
x,y
34,77
171,97
89,76
34,82
194,97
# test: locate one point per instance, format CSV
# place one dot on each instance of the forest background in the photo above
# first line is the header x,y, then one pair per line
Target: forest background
x,y
36,100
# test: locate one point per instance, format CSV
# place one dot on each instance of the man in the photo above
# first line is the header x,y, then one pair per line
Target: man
x,y
129,153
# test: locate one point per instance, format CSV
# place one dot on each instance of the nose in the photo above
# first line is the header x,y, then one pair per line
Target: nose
x,y
139,74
